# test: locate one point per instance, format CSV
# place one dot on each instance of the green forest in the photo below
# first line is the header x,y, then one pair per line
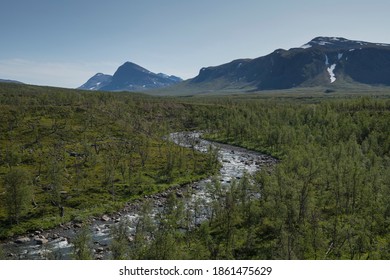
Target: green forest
x,y
70,155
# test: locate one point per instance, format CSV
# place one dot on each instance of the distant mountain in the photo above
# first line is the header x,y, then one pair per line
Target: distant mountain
x,y
10,81
321,62
130,77
97,82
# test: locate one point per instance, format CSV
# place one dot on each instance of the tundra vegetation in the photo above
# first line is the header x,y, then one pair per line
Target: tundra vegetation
x,y
83,153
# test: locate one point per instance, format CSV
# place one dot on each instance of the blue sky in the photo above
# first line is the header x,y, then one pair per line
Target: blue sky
x,y
63,43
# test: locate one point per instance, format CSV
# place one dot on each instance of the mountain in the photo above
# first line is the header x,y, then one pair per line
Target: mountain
x,y
130,77
97,82
10,81
323,61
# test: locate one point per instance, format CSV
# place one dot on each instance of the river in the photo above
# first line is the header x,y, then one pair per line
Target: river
x,y
55,243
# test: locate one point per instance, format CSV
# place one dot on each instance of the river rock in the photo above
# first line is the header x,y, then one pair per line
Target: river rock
x,y
105,218
41,240
99,250
77,225
164,195
22,240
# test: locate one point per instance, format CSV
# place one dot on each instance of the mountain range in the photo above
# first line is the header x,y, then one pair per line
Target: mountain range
x,y
130,77
324,61
321,62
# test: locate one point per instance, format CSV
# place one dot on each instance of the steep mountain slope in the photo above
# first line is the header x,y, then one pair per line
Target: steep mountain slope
x,y
130,77
322,61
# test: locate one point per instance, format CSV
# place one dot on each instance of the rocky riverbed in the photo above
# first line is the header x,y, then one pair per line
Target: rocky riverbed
x,y
56,243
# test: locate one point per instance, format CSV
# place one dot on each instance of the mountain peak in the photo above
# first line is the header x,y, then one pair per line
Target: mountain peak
x,y
98,81
329,39
130,77
339,43
130,66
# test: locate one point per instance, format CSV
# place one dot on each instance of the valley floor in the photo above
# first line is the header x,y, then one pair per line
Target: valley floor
x,y
69,155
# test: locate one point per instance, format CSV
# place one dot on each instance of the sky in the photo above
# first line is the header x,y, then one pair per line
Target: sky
x,y
64,43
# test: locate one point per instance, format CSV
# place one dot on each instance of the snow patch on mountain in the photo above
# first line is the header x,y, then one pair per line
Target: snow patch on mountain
x,y
332,76
306,46
323,43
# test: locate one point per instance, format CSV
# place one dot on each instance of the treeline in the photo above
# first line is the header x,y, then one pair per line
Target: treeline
x,y
67,154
